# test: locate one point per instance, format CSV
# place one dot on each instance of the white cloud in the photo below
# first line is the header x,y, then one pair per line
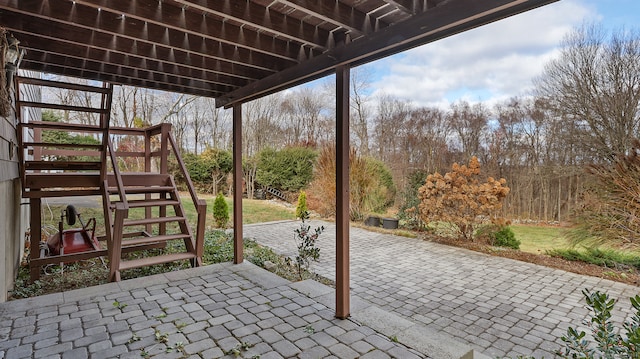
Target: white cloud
x,y
489,63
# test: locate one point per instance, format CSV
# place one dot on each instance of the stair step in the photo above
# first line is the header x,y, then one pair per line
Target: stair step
x,y
137,189
63,165
138,222
153,239
62,180
61,145
148,203
143,262
142,179
62,126
62,193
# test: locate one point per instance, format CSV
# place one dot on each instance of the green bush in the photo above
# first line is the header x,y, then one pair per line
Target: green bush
x,y
409,201
609,343
382,192
289,169
301,208
220,211
505,237
610,258
371,188
207,170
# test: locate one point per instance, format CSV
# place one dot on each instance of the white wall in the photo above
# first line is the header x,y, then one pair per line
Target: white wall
x,y
13,225
14,218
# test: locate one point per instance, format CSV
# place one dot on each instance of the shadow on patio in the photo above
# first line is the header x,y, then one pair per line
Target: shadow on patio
x,y
209,312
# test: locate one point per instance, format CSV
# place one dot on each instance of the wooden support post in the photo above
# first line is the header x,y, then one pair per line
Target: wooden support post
x,y
201,208
342,192
238,255
34,237
116,244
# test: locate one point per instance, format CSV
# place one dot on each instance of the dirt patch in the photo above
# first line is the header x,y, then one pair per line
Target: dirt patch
x,y
622,275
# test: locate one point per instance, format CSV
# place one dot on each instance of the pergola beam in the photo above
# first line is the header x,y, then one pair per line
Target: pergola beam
x,y
338,14
221,58
119,17
266,20
444,20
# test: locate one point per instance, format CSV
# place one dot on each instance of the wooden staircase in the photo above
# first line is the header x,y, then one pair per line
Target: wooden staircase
x,y
147,191
135,205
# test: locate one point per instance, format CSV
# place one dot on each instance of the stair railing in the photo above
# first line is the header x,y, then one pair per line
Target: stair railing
x,y
121,212
200,204
160,150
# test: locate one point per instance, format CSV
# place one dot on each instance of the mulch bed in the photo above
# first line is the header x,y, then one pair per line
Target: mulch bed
x,y
622,275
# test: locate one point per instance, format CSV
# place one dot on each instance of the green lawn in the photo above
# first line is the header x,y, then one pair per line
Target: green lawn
x,y
539,239
253,211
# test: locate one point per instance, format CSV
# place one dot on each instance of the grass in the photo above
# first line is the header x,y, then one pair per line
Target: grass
x,y
218,249
539,239
253,211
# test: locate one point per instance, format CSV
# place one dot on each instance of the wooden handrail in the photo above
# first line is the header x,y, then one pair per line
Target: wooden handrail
x,y
61,126
116,173
199,204
55,106
153,130
183,169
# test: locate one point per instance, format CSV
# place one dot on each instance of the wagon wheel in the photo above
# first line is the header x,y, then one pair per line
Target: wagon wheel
x,y
71,214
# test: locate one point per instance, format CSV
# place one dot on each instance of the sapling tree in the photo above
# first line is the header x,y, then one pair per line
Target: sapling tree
x,y
301,208
306,245
220,211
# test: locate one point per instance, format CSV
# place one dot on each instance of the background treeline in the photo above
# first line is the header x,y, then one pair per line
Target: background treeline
x,y
584,110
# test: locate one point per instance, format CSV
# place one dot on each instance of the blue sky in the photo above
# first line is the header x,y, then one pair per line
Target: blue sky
x,y
497,61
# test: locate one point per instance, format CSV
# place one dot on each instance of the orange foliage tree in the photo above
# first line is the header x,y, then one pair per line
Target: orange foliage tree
x,y
461,199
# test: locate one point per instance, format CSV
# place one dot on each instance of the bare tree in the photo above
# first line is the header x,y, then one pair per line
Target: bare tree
x,y
595,84
469,123
261,125
301,111
219,127
360,110
120,109
389,124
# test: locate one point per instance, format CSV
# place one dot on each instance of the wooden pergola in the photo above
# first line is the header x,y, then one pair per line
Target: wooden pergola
x,y
240,50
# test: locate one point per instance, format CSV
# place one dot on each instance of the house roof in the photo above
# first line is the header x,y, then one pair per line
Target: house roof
x,y
233,50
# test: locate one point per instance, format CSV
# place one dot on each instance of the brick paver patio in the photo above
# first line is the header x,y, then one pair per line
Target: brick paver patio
x,y
496,305
222,310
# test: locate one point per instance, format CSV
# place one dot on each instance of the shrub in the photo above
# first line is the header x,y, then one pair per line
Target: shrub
x,y
611,210
207,170
409,202
461,199
289,169
220,211
382,191
610,258
306,244
301,208
370,188
505,237
609,343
